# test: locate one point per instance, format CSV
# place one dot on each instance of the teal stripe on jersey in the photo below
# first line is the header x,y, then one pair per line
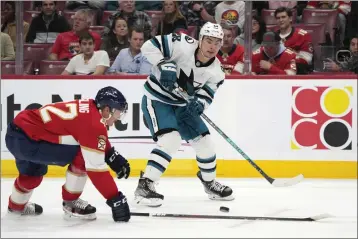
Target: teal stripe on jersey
x,y
155,43
162,97
153,79
209,91
165,43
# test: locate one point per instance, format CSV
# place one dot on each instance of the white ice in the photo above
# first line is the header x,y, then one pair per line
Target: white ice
x,y
254,197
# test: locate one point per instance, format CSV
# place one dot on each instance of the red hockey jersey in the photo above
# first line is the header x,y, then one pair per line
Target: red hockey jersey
x,y
75,122
282,64
300,42
232,61
343,7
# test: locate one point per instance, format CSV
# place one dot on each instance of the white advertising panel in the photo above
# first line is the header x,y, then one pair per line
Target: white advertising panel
x,y
268,119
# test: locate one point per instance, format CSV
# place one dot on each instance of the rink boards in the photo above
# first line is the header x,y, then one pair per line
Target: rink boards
x,y
292,125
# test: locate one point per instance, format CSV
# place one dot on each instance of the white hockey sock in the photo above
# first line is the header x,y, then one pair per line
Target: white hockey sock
x,y
207,167
157,164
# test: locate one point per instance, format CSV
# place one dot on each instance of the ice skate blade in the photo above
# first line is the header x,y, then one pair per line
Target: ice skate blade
x,y
217,198
16,214
73,216
149,202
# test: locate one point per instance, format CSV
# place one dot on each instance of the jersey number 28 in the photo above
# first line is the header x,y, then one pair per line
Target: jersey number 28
x,y
65,115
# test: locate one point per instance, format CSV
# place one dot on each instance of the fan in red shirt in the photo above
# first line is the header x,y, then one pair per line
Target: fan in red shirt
x,y
67,44
74,133
230,55
295,39
273,57
343,7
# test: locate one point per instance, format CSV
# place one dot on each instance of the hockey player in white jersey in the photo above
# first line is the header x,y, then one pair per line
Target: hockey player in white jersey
x,y
179,60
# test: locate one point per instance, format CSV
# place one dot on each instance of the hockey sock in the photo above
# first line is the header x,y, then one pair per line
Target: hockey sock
x,y
207,167
22,191
157,164
74,185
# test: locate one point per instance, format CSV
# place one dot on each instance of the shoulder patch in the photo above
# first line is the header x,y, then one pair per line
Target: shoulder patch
x,y
189,39
101,142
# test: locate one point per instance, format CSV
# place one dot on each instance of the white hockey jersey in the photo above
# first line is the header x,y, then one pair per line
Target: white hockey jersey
x,y
201,80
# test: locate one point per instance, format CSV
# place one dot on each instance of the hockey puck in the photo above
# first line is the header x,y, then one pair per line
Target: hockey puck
x,y
224,209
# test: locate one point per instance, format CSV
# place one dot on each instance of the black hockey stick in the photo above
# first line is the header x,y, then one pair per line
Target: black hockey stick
x,y
274,182
252,218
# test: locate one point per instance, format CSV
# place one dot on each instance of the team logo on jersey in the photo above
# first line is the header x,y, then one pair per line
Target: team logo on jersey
x,y
187,83
101,142
321,118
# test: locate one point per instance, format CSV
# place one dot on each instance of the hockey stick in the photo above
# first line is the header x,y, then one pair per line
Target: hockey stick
x,y
274,182
193,216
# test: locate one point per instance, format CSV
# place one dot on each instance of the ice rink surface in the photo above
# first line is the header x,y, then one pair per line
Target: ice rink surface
x,y
254,197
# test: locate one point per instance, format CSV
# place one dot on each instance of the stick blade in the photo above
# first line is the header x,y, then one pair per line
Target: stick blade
x,y
321,216
287,182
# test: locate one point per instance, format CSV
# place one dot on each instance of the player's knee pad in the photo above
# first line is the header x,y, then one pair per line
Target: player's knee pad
x,y
28,183
161,156
203,147
169,142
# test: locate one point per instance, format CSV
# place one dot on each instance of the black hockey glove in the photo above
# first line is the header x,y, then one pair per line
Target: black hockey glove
x,y
120,208
117,163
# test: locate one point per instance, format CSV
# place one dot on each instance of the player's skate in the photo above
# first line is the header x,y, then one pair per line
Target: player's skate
x,y
31,209
79,209
215,190
145,194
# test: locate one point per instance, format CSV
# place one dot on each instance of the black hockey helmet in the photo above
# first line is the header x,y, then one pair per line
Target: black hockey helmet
x,y
111,97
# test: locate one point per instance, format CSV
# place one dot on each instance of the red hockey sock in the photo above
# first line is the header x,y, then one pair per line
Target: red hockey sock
x,y
22,190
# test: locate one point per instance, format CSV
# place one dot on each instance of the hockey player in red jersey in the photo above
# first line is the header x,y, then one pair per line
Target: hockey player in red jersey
x,y
273,57
295,39
230,55
73,133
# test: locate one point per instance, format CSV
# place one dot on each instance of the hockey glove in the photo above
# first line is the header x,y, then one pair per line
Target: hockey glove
x,y
168,76
120,208
117,163
195,106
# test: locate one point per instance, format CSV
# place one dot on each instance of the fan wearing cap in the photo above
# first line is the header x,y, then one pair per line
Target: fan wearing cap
x,y
273,57
70,133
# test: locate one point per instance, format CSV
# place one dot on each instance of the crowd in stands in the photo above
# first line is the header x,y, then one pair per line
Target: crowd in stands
x,y
105,37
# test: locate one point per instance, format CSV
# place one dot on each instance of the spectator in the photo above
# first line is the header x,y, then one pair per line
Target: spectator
x,y
89,61
343,7
352,23
117,38
350,63
45,27
77,5
9,25
133,18
197,13
230,55
296,39
131,60
277,4
273,57
148,5
231,12
67,43
96,6
172,20
258,30
7,47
